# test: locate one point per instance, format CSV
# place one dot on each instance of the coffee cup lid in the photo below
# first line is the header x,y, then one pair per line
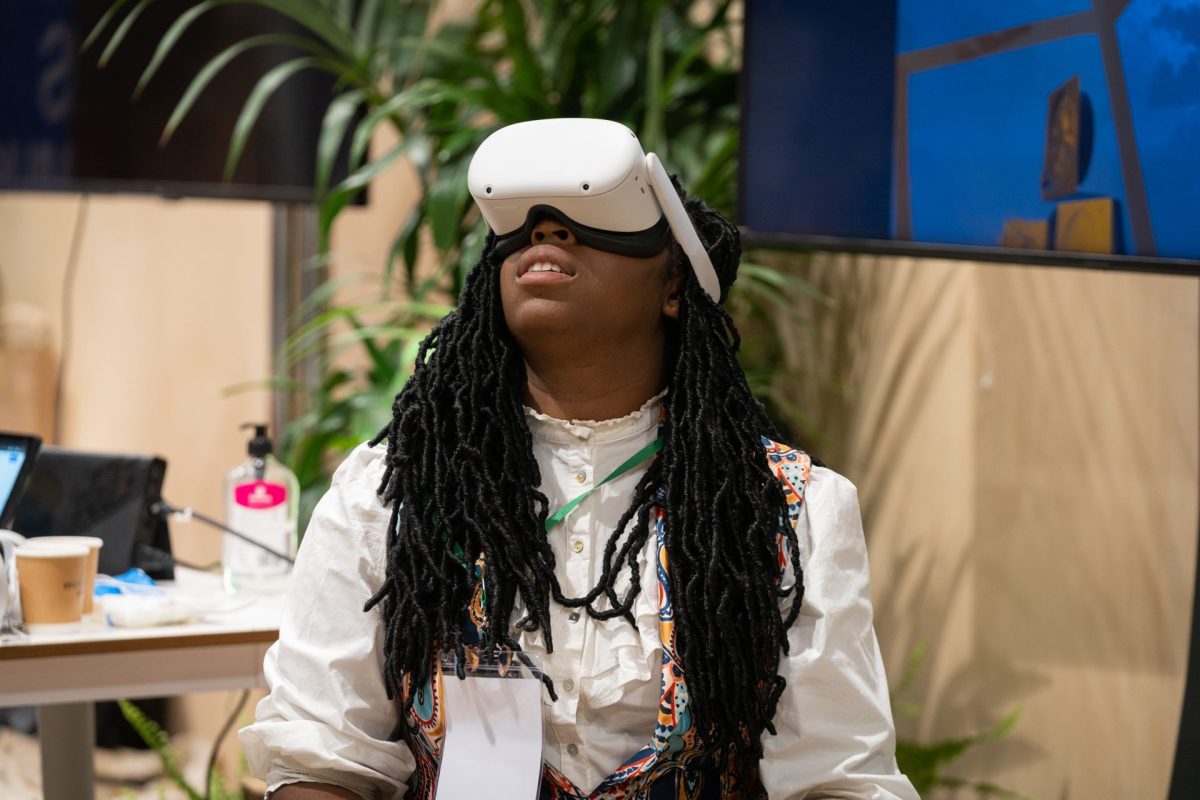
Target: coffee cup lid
x,y
50,550
92,542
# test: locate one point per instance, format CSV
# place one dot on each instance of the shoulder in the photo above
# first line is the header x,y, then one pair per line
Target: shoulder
x,y
824,514
792,468
363,465
356,481
806,481
351,513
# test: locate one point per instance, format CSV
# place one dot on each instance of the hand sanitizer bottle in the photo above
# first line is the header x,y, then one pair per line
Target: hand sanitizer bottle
x,y
261,500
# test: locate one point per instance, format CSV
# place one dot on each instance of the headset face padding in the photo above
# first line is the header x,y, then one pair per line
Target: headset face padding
x,y
638,244
593,177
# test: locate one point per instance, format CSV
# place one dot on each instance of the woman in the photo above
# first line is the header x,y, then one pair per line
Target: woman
x,y
703,612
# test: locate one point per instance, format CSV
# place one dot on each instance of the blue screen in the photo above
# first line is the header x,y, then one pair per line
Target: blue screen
x,y
925,23
12,458
941,122
980,164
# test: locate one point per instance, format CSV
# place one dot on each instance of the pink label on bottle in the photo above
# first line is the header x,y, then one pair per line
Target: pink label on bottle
x,y
260,494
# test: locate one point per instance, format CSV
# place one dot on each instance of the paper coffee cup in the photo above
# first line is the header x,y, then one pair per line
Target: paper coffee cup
x,y
51,577
93,544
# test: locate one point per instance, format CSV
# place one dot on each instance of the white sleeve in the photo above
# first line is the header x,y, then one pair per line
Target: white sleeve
x,y
327,718
834,720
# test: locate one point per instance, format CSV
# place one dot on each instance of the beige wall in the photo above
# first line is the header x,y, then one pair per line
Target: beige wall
x,y
170,307
172,304
1025,442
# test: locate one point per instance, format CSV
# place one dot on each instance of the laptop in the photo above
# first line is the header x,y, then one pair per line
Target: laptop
x,y
80,493
67,492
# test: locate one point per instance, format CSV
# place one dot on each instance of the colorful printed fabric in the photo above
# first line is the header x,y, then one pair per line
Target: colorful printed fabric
x,y
676,764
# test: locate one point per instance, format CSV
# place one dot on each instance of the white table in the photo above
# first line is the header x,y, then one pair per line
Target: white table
x,y
64,674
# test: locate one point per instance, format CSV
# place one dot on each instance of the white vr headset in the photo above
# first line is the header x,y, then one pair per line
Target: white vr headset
x,y
592,176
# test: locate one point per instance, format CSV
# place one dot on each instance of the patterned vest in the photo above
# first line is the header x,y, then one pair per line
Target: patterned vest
x,y
676,764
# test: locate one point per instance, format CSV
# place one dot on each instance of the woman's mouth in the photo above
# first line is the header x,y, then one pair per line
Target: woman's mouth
x,y
544,265
544,275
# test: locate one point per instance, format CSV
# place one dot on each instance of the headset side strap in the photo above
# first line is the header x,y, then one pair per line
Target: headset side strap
x,y
681,226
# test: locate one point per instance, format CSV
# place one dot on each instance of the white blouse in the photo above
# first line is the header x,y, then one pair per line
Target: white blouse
x,y
327,718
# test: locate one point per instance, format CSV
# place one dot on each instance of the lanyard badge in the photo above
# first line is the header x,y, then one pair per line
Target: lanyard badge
x,y
493,727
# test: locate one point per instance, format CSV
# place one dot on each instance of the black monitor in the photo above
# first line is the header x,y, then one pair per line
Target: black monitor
x,y
109,495
67,125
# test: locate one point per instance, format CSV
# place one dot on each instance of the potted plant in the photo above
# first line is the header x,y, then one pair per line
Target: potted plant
x,y
667,69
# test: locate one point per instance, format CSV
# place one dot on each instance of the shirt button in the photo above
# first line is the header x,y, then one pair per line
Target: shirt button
x,y
577,546
569,685
574,617
580,476
572,750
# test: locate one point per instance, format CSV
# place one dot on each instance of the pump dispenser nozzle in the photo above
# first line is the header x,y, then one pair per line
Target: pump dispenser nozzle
x,y
260,446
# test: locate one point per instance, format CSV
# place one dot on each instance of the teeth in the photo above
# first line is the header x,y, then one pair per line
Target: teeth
x,y
547,268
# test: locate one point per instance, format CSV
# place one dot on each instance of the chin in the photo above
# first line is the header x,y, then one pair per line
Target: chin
x,y
539,316
531,305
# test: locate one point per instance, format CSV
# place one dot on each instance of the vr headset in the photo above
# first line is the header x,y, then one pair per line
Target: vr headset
x,y
592,176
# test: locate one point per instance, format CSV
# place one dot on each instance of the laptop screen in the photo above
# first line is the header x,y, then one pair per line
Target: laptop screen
x,y
17,453
108,495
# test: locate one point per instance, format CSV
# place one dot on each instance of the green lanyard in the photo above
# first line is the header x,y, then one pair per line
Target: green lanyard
x,y
630,463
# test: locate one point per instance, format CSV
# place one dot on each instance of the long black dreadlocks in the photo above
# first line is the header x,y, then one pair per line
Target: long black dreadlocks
x,y
462,480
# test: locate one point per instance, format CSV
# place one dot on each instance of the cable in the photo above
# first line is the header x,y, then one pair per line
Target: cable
x,y
216,748
211,567
164,509
68,302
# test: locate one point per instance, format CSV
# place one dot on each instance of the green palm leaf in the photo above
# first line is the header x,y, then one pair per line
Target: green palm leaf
x,y
410,98
338,117
122,31
171,37
344,192
442,89
367,22
99,27
445,203
210,70
318,19
258,98
527,73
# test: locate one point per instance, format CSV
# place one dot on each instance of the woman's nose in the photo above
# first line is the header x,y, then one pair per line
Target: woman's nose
x,y
551,230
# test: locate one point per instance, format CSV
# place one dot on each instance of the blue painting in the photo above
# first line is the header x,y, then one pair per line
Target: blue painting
x,y
979,126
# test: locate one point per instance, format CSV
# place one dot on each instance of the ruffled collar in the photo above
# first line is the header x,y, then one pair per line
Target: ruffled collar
x,y
576,431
